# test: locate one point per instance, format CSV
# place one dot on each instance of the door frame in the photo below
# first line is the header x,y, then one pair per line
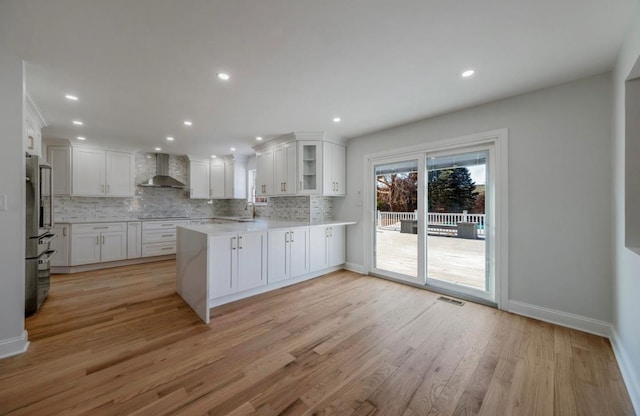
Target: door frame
x,y
421,246
499,231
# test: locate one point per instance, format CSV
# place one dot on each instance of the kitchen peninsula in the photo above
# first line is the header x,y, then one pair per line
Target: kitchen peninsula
x,y
221,263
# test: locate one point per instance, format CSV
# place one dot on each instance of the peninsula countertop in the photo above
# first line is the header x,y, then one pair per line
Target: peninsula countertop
x,y
260,225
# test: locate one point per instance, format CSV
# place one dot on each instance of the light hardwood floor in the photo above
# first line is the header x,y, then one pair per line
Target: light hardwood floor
x,y
120,341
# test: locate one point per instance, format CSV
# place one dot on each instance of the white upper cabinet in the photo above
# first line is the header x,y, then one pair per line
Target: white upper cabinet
x,y
216,181
120,174
222,178
310,167
88,172
264,172
33,124
301,164
334,161
235,177
59,157
97,172
285,169
199,179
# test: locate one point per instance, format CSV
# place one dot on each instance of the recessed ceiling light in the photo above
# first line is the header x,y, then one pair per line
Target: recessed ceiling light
x,y
337,119
223,76
78,123
258,138
157,149
169,139
214,156
468,73
188,123
233,149
71,97
81,138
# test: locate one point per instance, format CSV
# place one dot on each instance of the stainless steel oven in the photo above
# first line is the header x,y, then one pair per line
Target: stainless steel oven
x,y
39,220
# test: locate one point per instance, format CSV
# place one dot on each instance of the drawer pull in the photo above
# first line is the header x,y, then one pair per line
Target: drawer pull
x,y
167,235
100,228
168,225
167,248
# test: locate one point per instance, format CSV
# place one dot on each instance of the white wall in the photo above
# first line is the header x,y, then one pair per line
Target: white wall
x,y
12,224
559,190
626,282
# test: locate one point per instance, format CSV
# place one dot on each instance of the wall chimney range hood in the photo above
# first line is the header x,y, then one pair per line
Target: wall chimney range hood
x,y
162,178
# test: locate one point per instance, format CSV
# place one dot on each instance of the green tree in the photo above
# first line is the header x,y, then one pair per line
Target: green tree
x,y
451,190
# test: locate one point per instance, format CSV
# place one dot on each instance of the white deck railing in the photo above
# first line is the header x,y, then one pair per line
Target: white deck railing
x,y
391,220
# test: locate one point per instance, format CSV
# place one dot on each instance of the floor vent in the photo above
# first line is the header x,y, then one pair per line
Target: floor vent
x,y
451,301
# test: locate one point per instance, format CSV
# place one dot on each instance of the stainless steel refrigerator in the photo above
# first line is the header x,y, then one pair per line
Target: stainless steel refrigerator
x,y
39,220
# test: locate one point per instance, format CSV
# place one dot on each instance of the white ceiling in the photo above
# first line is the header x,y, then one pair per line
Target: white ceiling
x,y
142,67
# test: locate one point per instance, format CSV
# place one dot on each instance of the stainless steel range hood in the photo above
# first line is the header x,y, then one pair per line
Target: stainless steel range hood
x,y
162,178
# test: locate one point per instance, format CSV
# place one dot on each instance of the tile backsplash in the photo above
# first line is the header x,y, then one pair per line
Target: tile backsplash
x,y
170,202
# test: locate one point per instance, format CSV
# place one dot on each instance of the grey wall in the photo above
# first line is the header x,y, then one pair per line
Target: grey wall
x,y
12,222
559,190
626,282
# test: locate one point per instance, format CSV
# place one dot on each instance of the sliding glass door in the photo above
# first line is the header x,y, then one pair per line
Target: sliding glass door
x,y
396,231
457,250
433,211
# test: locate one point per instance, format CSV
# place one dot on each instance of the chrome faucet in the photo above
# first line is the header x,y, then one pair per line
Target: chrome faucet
x,y
253,205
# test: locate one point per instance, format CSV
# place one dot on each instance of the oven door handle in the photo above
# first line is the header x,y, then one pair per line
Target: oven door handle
x,y
50,254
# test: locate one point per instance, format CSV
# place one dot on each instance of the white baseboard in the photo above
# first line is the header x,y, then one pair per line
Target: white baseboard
x,y
624,363
357,268
582,323
14,346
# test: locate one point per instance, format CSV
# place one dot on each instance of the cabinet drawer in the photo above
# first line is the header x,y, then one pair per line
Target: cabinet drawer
x,y
158,249
158,236
99,227
162,225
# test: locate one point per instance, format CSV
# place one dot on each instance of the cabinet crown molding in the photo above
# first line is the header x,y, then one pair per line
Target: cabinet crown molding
x,y
300,136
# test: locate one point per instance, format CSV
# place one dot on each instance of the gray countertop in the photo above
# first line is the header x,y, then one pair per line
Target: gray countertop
x,y
86,220
259,225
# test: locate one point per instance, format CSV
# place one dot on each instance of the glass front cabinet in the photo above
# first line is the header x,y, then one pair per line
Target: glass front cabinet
x,y
310,167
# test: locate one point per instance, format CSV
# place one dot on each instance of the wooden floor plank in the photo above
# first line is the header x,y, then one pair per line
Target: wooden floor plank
x,y
120,341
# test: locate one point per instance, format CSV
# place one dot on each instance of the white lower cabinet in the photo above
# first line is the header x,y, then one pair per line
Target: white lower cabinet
x,y
237,263
159,237
328,247
134,240
288,253
95,243
61,245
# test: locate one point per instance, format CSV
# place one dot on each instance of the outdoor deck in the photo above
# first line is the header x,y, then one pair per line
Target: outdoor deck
x,y
454,260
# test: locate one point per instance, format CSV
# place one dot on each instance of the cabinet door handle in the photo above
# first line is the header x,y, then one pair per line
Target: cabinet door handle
x,y
64,231
301,185
240,243
97,240
233,241
102,188
108,189
286,237
292,236
103,240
